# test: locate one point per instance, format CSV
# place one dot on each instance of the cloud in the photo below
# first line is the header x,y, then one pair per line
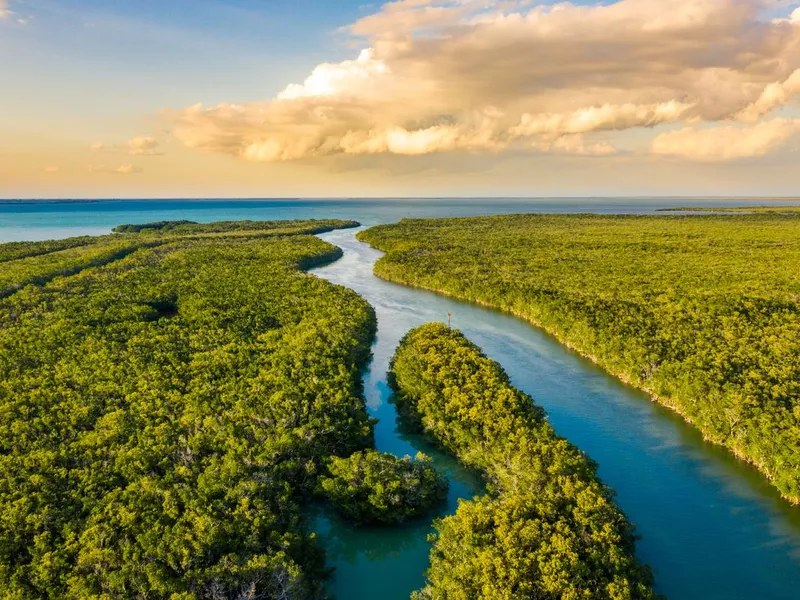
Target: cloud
x,y
602,118
774,96
729,142
52,169
139,146
493,77
331,79
126,169
143,146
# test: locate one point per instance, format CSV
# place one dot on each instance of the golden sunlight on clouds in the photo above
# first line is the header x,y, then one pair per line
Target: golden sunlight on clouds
x,y
727,143
139,146
126,169
444,76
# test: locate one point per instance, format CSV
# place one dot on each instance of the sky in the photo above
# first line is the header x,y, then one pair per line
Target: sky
x,y
313,98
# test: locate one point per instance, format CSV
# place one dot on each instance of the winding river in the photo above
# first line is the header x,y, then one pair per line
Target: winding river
x,y
711,528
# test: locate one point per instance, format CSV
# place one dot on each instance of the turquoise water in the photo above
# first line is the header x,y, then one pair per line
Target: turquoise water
x,y
37,220
712,528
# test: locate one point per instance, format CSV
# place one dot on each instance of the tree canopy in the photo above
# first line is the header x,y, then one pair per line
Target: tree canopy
x,y
166,407
549,528
701,311
371,487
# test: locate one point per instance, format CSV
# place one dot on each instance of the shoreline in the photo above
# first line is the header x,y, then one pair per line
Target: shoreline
x,y
661,401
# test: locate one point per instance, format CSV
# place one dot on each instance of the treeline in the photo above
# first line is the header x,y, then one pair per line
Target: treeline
x,y
735,209
549,528
701,311
164,416
25,263
271,227
153,226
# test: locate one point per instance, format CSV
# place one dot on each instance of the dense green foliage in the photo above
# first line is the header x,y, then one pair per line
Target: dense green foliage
x,y
736,209
154,226
45,260
550,529
164,416
371,487
41,268
701,311
15,250
253,227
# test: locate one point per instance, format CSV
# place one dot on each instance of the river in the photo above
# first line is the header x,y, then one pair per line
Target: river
x,y
711,527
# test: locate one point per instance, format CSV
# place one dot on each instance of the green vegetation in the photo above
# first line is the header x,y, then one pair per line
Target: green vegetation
x,y
371,487
549,528
15,250
251,227
41,268
37,263
165,415
736,209
154,226
701,311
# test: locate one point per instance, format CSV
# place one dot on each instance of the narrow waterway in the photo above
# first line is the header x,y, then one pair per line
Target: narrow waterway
x,y
711,528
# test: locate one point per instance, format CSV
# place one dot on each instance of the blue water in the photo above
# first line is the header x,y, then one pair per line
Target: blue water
x,y
38,220
712,528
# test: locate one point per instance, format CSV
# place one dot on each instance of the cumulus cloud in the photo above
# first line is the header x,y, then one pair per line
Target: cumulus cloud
x,y
126,169
139,146
467,76
729,142
774,96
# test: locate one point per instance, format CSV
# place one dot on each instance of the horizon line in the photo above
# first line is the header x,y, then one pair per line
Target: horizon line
x,y
361,198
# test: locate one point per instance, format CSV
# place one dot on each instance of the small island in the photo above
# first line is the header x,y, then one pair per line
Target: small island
x,y
374,488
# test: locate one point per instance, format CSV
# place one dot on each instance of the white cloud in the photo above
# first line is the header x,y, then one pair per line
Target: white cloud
x,y
340,78
729,142
126,169
462,75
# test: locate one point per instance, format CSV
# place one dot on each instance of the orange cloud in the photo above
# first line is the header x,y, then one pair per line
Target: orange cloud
x,y
139,146
729,142
459,75
126,169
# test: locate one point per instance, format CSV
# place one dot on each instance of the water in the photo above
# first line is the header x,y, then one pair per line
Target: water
x,y
712,528
39,220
